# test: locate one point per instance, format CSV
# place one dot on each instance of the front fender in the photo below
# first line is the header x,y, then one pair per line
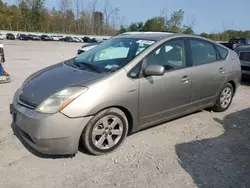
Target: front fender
x,y
116,90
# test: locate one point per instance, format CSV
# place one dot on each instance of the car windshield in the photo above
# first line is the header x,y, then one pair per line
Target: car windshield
x,y
113,54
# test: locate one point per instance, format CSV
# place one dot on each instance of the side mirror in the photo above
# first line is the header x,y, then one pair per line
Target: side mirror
x,y
154,70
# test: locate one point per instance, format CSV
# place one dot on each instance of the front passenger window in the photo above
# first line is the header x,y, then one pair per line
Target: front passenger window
x,y
171,55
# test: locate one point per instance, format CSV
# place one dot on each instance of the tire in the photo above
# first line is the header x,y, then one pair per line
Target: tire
x,y
107,126
226,95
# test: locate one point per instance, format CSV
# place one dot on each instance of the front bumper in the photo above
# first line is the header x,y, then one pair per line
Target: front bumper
x,y
48,133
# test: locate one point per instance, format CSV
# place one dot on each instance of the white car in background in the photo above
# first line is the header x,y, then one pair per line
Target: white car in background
x,y
87,47
1,36
55,38
61,37
80,39
77,39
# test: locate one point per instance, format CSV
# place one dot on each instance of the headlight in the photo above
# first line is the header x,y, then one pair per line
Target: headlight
x,y
60,100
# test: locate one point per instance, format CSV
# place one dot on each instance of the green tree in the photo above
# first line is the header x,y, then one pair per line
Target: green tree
x,y
123,29
36,8
174,24
187,30
138,26
12,17
3,14
155,24
32,15
24,15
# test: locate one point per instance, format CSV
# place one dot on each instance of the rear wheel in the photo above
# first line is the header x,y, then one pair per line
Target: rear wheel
x,y
224,99
105,132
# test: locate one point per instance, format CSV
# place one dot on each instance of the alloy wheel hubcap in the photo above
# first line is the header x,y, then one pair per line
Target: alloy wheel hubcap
x,y
226,97
107,132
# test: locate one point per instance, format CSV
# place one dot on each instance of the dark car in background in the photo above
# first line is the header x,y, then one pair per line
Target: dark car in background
x,y
244,56
86,39
94,40
67,39
70,39
46,38
89,40
236,42
22,37
10,36
62,38
34,37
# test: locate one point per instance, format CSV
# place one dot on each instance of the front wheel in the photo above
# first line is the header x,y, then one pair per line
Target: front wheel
x,y
105,132
224,99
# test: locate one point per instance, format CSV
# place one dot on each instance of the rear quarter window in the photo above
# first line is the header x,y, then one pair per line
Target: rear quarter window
x,y
222,52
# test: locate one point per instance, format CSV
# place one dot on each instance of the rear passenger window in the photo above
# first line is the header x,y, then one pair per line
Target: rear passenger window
x,y
222,51
202,52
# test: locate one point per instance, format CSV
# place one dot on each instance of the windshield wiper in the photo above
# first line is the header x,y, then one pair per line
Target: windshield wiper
x,y
71,63
92,67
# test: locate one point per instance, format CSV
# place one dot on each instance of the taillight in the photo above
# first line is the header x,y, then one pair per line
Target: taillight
x,y
234,46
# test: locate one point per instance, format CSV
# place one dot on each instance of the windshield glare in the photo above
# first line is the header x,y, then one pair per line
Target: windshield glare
x,y
113,54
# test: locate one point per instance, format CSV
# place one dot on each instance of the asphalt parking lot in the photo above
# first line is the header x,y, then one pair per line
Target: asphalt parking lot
x,y
204,149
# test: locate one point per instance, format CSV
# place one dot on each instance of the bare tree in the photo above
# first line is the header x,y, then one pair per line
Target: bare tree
x,y
191,21
110,15
65,5
115,18
77,4
164,14
88,16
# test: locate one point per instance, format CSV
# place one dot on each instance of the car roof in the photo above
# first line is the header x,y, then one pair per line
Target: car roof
x,y
156,36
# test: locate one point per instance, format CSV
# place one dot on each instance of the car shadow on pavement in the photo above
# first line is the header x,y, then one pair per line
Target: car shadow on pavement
x,y
223,161
16,132
245,81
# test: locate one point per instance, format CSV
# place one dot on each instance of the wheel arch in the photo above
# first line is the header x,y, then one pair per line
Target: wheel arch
x,y
84,138
233,84
127,113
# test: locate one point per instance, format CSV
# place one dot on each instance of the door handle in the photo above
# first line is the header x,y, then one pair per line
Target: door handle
x,y
222,70
185,79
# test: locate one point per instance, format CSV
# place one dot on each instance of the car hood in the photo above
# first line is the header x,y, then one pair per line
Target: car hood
x,y
46,82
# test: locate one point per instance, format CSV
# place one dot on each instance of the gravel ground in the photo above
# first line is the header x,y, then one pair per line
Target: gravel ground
x,y
204,149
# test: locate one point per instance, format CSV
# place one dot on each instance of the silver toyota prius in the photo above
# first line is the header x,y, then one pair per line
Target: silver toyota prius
x,y
130,82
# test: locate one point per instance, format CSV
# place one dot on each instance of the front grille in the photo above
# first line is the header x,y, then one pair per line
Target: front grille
x,y
245,56
27,104
245,68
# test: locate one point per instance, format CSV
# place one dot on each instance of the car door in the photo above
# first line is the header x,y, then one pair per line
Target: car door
x,y
167,96
208,72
